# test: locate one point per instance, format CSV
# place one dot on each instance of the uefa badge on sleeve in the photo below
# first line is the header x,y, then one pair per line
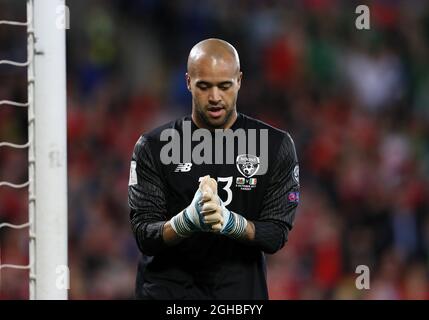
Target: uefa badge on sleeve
x,y
293,196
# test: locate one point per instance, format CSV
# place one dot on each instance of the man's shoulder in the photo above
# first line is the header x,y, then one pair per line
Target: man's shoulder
x,y
277,137
150,140
253,123
154,134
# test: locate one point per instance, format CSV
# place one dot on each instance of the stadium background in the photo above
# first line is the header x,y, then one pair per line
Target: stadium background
x,y
356,103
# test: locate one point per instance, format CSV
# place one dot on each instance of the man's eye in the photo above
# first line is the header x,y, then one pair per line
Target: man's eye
x,y
202,87
224,88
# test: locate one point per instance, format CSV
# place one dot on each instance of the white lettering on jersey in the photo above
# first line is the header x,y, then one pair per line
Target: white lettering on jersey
x,y
183,167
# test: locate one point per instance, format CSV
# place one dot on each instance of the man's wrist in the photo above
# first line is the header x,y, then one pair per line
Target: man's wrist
x,y
182,225
169,235
235,225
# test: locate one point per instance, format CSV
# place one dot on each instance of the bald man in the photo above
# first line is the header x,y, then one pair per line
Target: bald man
x,y
212,192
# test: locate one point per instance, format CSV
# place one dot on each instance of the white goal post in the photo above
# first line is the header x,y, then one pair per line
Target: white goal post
x,y
49,276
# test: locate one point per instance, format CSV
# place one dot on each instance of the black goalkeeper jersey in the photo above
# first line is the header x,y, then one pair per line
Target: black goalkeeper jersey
x,y
208,265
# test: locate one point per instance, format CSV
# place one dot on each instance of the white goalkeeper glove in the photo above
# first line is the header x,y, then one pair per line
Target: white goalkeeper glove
x,y
220,218
193,219
233,224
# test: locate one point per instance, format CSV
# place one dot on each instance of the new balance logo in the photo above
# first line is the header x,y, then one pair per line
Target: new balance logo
x,y
183,167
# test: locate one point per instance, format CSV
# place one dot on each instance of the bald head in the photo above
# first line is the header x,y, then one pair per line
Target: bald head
x,y
213,52
214,79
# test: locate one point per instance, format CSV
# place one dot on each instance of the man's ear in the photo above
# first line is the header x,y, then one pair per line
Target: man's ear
x,y
188,81
240,76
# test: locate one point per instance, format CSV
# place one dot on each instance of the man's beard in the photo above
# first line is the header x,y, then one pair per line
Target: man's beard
x,y
210,124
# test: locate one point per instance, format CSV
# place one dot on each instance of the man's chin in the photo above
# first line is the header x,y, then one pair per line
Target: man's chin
x,y
216,123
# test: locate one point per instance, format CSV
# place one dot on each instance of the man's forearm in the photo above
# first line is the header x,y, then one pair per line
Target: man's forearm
x,y
250,231
170,236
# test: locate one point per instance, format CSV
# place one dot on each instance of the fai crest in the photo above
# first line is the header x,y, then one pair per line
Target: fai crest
x,y
247,164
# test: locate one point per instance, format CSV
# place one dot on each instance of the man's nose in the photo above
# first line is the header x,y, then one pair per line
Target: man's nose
x,y
214,96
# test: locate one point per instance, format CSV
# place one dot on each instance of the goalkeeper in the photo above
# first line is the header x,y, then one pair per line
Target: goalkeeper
x,y
204,227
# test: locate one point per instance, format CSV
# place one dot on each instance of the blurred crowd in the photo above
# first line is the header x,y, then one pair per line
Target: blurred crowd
x,y
355,101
